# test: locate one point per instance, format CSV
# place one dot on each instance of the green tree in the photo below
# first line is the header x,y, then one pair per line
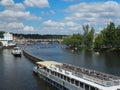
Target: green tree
x,y
73,41
88,36
99,41
1,34
110,35
118,37
109,38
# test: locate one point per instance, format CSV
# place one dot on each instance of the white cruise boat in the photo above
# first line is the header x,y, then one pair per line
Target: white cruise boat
x,y
69,77
16,51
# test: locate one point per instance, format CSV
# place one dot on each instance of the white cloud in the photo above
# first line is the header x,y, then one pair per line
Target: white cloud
x,y
60,24
9,15
15,25
65,27
7,2
95,13
10,5
53,23
37,3
28,28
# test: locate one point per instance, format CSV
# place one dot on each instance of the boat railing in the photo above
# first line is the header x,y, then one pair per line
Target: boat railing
x,y
96,80
96,77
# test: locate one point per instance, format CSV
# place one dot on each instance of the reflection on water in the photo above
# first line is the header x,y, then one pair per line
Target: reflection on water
x,y
108,63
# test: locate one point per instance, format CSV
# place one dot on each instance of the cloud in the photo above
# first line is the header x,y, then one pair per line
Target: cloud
x,y
9,15
37,3
10,5
65,27
60,24
94,13
7,2
53,23
28,28
17,27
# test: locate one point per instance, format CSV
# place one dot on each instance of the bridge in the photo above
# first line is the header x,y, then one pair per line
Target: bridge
x,y
39,40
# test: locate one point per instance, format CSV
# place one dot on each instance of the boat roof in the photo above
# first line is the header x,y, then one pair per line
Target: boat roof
x,y
48,63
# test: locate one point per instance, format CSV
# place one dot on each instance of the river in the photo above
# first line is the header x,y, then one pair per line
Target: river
x,y
108,63
16,73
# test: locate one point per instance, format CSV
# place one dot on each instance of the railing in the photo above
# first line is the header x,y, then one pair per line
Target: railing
x,y
96,77
96,80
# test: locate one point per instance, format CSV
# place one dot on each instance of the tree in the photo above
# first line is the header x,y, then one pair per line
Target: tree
x,y
109,38
88,36
99,41
73,41
1,34
110,35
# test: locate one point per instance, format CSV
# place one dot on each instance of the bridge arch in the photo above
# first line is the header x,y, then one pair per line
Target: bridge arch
x,y
4,43
1,44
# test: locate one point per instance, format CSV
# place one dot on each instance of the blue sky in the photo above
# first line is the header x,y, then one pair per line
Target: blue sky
x,y
57,16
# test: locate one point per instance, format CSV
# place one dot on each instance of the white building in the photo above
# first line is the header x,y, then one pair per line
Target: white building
x,y
7,40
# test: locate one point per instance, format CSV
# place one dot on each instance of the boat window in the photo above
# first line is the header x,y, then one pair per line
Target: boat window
x,y
64,77
92,88
76,82
81,84
68,79
58,74
72,81
47,70
55,74
52,72
86,87
61,76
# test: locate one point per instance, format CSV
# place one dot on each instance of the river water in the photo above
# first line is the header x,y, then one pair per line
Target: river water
x,y
16,73
108,63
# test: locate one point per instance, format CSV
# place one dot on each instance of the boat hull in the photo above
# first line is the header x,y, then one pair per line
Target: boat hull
x,y
55,81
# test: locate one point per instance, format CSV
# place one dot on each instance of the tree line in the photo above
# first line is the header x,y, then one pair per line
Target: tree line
x,y
81,40
38,36
107,39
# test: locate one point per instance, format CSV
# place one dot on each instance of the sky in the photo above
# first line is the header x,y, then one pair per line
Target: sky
x,y
64,17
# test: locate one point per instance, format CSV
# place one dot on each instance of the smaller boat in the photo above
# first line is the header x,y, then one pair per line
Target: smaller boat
x,y
16,51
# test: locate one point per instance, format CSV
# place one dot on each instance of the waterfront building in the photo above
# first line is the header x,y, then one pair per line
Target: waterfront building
x,y
7,40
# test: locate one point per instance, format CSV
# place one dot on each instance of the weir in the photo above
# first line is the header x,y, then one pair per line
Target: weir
x,y
32,57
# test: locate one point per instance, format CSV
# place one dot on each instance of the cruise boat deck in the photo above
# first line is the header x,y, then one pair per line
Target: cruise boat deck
x,y
91,75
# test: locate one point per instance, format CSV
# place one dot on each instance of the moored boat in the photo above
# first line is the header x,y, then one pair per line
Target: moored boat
x,y
16,51
69,77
